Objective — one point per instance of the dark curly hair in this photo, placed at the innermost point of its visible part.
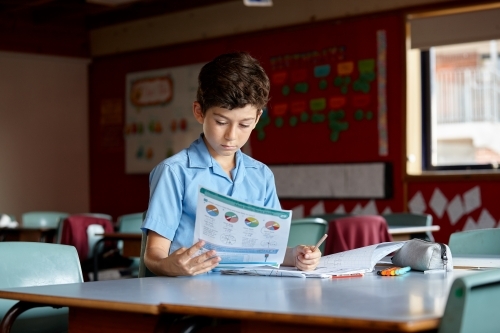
(232, 80)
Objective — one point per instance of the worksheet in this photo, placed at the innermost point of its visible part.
(243, 235)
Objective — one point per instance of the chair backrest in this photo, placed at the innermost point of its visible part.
(25, 264)
(42, 219)
(480, 241)
(411, 220)
(61, 221)
(473, 304)
(130, 223)
(351, 232)
(307, 231)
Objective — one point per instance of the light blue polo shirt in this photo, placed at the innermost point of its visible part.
(174, 189)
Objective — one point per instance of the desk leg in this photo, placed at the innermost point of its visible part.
(83, 320)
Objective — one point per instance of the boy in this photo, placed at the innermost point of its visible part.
(232, 90)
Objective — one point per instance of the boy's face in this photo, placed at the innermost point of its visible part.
(225, 130)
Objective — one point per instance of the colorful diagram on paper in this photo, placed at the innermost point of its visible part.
(212, 210)
(271, 225)
(231, 217)
(251, 222)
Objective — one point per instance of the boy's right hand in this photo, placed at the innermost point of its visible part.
(182, 262)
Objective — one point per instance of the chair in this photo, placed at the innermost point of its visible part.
(411, 220)
(473, 304)
(480, 241)
(127, 224)
(26, 264)
(61, 222)
(307, 231)
(43, 220)
(355, 231)
(143, 270)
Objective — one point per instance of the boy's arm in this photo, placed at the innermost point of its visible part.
(180, 262)
(302, 257)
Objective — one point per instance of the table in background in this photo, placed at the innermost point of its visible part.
(404, 233)
(410, 303)
(28, 234)
(131, 242)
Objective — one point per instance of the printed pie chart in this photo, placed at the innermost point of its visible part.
(212, 210)
(231, 217)
(251, 222)
(271, 225)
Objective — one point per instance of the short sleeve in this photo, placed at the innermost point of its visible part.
(272, 200)
(165, 201)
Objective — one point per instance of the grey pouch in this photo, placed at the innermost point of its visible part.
(422, 255)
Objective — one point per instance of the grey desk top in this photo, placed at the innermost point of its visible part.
(408, 298)
(393, 230)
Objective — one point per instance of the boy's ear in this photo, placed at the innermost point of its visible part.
(259, 113)
(198, 113)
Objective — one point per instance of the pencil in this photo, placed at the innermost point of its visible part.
(319, 242)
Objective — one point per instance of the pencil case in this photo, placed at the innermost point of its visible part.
(422, 255)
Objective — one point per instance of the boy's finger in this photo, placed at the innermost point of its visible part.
(195, 248)
(206, 266)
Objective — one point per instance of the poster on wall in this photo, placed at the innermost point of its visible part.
(159, 121)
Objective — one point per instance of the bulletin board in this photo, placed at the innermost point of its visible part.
(159, 121)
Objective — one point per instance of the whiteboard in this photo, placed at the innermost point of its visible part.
(342, 181)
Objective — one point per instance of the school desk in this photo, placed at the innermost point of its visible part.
(28, 234)
(476, 261)
(400, 233)
(409, 303)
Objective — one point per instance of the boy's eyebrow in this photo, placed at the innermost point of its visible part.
(218, 114)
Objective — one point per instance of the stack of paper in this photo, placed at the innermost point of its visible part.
(361, 260)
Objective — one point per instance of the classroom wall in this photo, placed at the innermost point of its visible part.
(115, 192)
(44, 151)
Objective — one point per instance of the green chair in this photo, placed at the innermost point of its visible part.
(411, 220)
(25, 264)
(480, 241)
(143, 270)
(307, 231)
(473, 304)
(42, 219)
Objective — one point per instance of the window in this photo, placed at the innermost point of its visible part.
(453, 93)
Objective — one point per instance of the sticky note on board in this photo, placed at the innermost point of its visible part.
(317, 104)
(298, 106)
(366, 65)
(322, 70)
(279, 77)
(302, 87)
(279, 109)
(337, 102)
(345, 68)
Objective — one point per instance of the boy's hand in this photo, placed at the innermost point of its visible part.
(306, 257)
(182, 262)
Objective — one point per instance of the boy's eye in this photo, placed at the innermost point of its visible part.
(220, 123)
(244, 125)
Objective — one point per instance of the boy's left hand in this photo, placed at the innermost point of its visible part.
(305, 258)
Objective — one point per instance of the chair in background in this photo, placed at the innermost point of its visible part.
(127, 224)
(26, 264)
(307, 231)
(351, 232)
(480, 241)
(473, 304)
(411, 220)
(91, 242)
(43, 220)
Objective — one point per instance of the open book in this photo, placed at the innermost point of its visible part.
(361, 260)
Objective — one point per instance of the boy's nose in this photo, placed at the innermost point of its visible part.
(230, 133)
